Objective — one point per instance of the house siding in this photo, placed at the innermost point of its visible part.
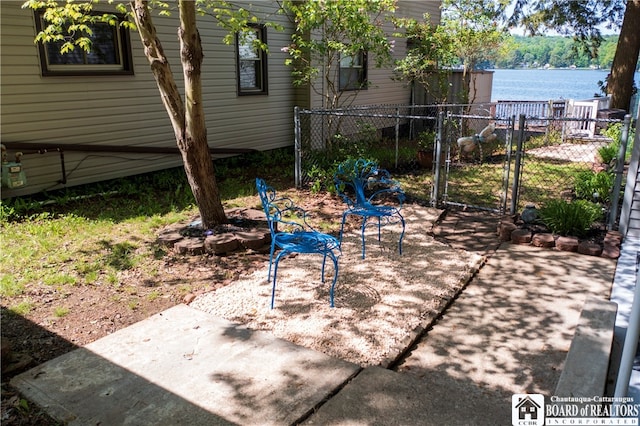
(630, 214)
(383, 89)
(126, 110)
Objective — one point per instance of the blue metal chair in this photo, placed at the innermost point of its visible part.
(291, 233)
(369, 192)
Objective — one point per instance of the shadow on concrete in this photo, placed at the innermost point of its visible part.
(511, 328)
(183, 366)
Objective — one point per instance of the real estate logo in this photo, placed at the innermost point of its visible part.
(527, 409)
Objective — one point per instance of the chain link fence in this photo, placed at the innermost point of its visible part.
(482, 156)
(386, 133)
(556, 159)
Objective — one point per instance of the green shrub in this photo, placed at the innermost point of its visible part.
(427, 140)
(570, 218)
(594, 186)
(321, 174)
(614, 132)
(608, 153)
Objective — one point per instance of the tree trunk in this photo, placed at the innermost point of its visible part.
(198, 163)
(187, 121)
(625, 60)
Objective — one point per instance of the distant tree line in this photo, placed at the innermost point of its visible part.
(556, 51)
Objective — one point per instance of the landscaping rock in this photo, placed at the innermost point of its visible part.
(254, 239)
(169, 239)
(245, 213)
(505, 229)
(521, 236)
(590, 248)
(567, 243)
(193, 246)
(221, 243)
(610, 251)
(247, 229)
(545, 240)
(613, 238)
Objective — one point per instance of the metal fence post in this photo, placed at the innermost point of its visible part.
(297, 147)
(397, 134)
(507, 168)
(516, 169)
(436, 166)
(622, 151)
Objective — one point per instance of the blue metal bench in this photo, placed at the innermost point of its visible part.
(369, 192)
(291, 233)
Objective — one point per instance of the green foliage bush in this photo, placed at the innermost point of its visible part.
(570, 218)
(609, 152)
(427, 140)
(594, 186)
(321, 175)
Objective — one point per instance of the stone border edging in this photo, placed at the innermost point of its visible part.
(232, 238)
(511, 232)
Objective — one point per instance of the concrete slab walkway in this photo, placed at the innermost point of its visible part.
(184, 366)
(512, 327)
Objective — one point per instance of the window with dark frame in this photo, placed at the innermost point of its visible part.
(110, 52)
(353, 72)
(251, 62)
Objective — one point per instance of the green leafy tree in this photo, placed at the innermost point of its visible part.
(537, 51)
(70, 22)
(473, 25)
(582, 21)
(429, 57)
(607, 52)
(328, 32)
(468, 34)
(510, 56)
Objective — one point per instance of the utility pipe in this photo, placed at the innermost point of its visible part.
(46, 147)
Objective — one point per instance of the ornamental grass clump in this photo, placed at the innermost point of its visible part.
(570, 218)
(594, 186)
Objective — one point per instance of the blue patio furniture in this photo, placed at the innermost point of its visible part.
(291, 233)
(369, 192)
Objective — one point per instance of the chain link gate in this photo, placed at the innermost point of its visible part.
(532, 160)
(473, 167)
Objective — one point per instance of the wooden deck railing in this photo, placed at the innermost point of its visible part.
(579, 117)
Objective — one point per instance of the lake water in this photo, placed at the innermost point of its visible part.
(541, 84)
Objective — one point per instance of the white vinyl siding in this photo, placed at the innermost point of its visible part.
(630, 214)
(127, 110)
(383, 90)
